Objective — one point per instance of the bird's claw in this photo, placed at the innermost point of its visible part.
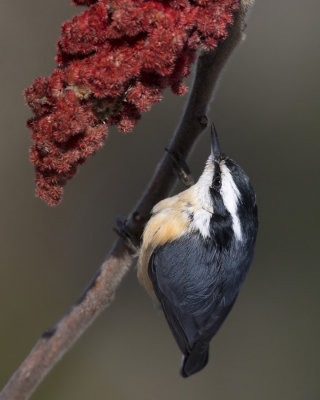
(181, 168)
(124, 233)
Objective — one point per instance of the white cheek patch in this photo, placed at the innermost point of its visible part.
(201, 222)
(204, 205)
(230, 196)
(201, 188)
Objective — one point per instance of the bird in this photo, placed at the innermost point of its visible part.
(196, 251)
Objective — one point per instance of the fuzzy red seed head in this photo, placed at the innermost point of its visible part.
(115, 59)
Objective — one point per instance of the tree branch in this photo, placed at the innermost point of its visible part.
(54, 343)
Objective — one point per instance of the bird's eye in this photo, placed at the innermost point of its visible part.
(216, 184)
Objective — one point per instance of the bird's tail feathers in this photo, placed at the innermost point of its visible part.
(195, 360)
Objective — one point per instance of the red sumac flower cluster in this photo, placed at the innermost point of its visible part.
(114, 61)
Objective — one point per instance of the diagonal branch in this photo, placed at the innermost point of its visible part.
(54, 343)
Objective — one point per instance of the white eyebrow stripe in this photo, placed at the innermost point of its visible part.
(230, 196)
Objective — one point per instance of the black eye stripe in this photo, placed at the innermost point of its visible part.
(217, 169)
(216, 180)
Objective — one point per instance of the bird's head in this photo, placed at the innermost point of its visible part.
(224, 189)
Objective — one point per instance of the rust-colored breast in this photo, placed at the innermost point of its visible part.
(168, 223)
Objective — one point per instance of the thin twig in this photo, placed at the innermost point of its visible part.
(54, 343)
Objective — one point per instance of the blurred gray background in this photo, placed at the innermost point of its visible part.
(267, 113)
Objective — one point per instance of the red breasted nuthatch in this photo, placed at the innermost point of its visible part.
(196, 251)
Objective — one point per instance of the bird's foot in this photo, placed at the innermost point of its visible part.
(181, 168)
(124, 233)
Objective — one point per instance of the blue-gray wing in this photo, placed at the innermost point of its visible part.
(197, 284)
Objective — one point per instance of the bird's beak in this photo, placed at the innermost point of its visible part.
(215, 147)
